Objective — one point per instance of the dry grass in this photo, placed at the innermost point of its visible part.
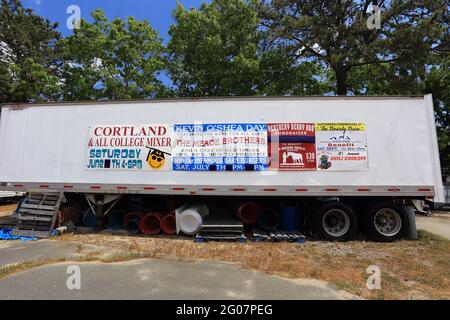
(410, 269)
(23, 266)
(7, 209)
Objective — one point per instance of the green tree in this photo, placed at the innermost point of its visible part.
(281, 74)
(213, 50)
(4, 82)
(434, 78)
(437, 83)
(29, 58)
(113, 59)
(335, 33)
(218, 50)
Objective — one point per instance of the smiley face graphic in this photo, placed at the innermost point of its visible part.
(156, 158)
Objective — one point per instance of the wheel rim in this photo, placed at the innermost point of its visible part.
(387, 222)
(336, 222)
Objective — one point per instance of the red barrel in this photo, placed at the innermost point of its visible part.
(151, 223)
(168, 224)
(248, 212)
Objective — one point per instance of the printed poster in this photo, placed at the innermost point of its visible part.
(228, 147)
(130, 147)
(220, 147)
(292, 146)
(341, 147)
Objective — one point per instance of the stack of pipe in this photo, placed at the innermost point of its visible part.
(248, 212)
(189, 218)
(132, 220)
(269, 219)
(168, 223)
(151, 223)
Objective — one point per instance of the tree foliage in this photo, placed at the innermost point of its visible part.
(214, 49)
(29, 59)
(218, 50)
(438, 84)
(335, 33)
(112, 60)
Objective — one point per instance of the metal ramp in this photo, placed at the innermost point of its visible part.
(37, 214)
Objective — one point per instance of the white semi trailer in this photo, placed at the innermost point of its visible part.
(8, 195)
(348, 161)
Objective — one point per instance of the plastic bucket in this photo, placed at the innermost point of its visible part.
(290, 219)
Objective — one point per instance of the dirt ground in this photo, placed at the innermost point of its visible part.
(6, 209)
(438, 223)
(409, 269)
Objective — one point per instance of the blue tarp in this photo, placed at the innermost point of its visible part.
(5, 234)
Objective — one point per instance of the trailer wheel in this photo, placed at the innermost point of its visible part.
(335, 221)
(386, 221)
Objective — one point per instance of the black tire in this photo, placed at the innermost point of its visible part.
(335, 221)
(387, 229)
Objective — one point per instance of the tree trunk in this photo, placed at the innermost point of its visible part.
(341, 81)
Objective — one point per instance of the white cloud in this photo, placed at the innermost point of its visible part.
(38, 2)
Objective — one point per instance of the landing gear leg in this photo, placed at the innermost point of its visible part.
(98, 203)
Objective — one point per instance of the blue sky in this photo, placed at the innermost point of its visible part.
(157, 12)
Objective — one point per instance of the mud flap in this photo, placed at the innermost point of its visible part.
(411, 233)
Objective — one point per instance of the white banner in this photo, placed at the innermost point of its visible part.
(341, 147)
(130, 147)
(220, 147)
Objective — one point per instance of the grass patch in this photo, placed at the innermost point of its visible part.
(23, 266)
(409, 269)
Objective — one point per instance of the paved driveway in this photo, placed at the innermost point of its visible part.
(437, 223)
(157, 279)
(18, 251)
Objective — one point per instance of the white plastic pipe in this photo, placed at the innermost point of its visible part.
(191, 219)
(178, 216)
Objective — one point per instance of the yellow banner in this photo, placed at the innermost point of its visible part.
(353, 126)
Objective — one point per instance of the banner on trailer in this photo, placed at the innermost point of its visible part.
(292, 146)
(228, 147)
(220, 147)
(130, 147)
(341, 147)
